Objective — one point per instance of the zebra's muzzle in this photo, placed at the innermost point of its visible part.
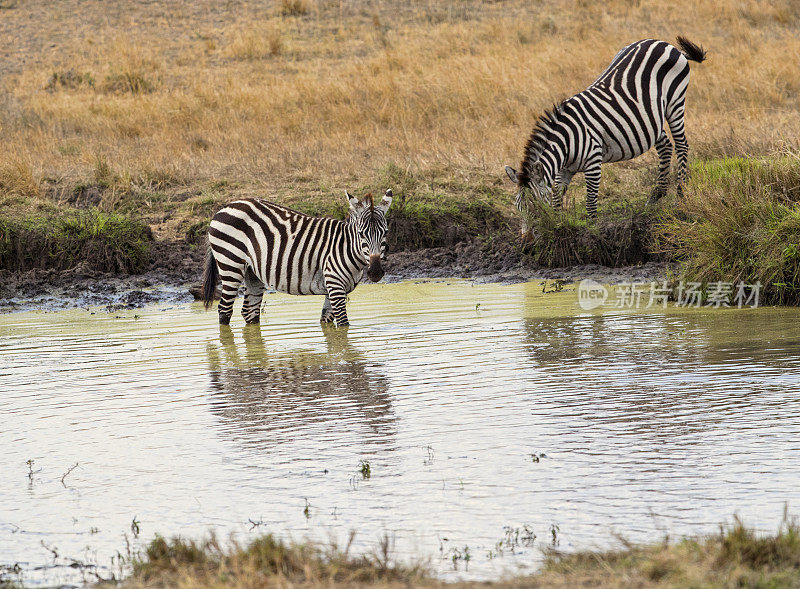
(375, 270)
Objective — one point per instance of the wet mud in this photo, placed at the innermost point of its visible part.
(177, 266)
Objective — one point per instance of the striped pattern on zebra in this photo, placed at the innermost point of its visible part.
(264, 244)
(619, 117)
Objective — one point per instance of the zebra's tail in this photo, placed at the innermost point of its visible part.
(691, 51)
(210, 276)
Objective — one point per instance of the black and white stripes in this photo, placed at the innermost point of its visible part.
(619, 117)
(264, 244)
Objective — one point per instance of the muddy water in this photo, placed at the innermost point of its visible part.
(649, 422)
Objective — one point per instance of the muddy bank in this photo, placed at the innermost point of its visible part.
(504, 261)
(176, 266)
(173, 266)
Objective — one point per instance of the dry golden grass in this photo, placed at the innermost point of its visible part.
(294, 7)
(255, 43)
(302, 96)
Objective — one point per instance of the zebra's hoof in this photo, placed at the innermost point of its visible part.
(224, 320)
(256, 321)
(326, 318)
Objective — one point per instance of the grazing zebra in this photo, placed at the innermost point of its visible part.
(262, 243)
(620, 116)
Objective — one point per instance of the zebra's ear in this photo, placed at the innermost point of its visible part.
(354, 202)
(512, 174)
(386, 201)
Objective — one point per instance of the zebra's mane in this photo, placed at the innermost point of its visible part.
(540, 137)
(368, 200)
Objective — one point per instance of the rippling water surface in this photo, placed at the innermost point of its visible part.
(650, 422)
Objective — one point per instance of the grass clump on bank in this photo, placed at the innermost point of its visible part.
(621, 235)
(736, 557)
(740, 222)
(62, 240)
(265, 561)
(438, 211)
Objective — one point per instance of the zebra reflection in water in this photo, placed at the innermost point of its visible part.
(266, 399)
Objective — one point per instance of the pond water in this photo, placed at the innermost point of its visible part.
(650, 422)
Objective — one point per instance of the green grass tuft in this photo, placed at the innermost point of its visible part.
(740, 222)
(740, 545)
(621, 235)
(206, 563)
(60, 241)
(736, 557)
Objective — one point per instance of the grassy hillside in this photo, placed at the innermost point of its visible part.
(165, 111)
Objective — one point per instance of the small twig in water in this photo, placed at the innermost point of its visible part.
(255, 524)
(53, 551)
(69, 470)
(554, 530)
(31, 472)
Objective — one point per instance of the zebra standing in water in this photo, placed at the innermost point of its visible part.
(620, 116)
(262, 243)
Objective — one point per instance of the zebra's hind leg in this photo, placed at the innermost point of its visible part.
(664, 149)
(231, 280)
(675, 122)
(327, 311)
(254, 293)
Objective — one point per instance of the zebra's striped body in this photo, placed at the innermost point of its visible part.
(619, 117)
(264, 244)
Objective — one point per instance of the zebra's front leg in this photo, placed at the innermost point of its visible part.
(327, 311)
(664, 149)
(560, 185)
(592, 175)
(254, 294)
(337, 298)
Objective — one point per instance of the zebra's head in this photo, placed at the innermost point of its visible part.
(532, 184)
(369, 221)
